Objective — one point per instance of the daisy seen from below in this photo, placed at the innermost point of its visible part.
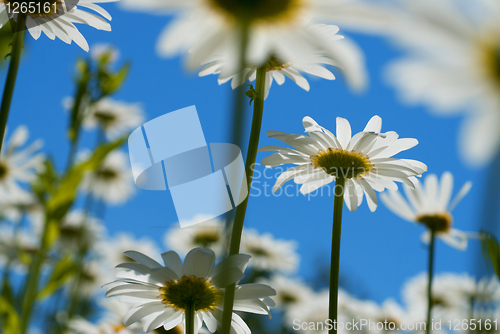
(452, 65)
(112, 182)
(114, 118)
(272, 27)
(358, 164)
(430, 204)
(190, 293)
(56, 18)
(19, 165)
(269, 254)
(343, 54)
(208, 233)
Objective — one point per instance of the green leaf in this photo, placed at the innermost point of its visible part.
(491, 252)
(65, 192)
(111, 82)
(63, 271)
(11, 322)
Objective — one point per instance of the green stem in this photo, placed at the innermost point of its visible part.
(15, 58)
(338, 205)
(429, 285)
(239, 97)
(189, 314)
(234, 248)
(29, 293)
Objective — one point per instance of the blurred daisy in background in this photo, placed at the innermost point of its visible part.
(446, 302)
(290, 292)
(364, 160)
(161, 294)
(452, 65)
(104, 52)
(112, 249)
(19, 165)
(430, 204)
(57, 19)
(276, 28)
(208, 234)
(115, 118)
(112, 182)
(75, 228)
(110, 322)
(341, 54)
(270, 254)
(17, 248)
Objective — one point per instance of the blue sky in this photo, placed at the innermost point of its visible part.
(379, 250)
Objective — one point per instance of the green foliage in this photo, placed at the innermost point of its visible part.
(251, 93)
(63, 270)
(491, 251)
(11, 322)
(110, 82)
(6, 38)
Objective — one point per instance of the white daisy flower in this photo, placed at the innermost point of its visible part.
(277, 69)
(56, 18)
(430, 204)
(19, 165)
(17, 247)
(112, 250)
(112, 182)
(161, 294)
(109, 323)
(75, 227)
(115, 118)
(363, 160)
(447, 303)
(208, 234)
(276, 27)
(290, 292)
(453, 66)
(270, 254)
(389, 313)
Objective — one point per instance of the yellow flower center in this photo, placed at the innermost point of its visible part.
(105, 118)
(35, 8)
(191, 290)
(3, 170)
(440, 222)
(106, 174)
(341, 163)
(206, 239)
(271, 11)
(489, 57)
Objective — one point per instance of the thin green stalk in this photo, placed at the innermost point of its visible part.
(239, 97)
(234, 248)
(29, 293)
(15, 59)
(189, 314)
(338, 205)
(429, 285)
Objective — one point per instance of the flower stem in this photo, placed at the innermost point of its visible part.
(189, 315)
(234, 248)
(429, 285)
(29, 292)
(338, 204)
(15, 58)
(239, 97)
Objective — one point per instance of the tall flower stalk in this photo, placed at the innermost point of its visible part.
(237, 229)
(10, 83)
(335, 257)
(358, 165)
(429, 286)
